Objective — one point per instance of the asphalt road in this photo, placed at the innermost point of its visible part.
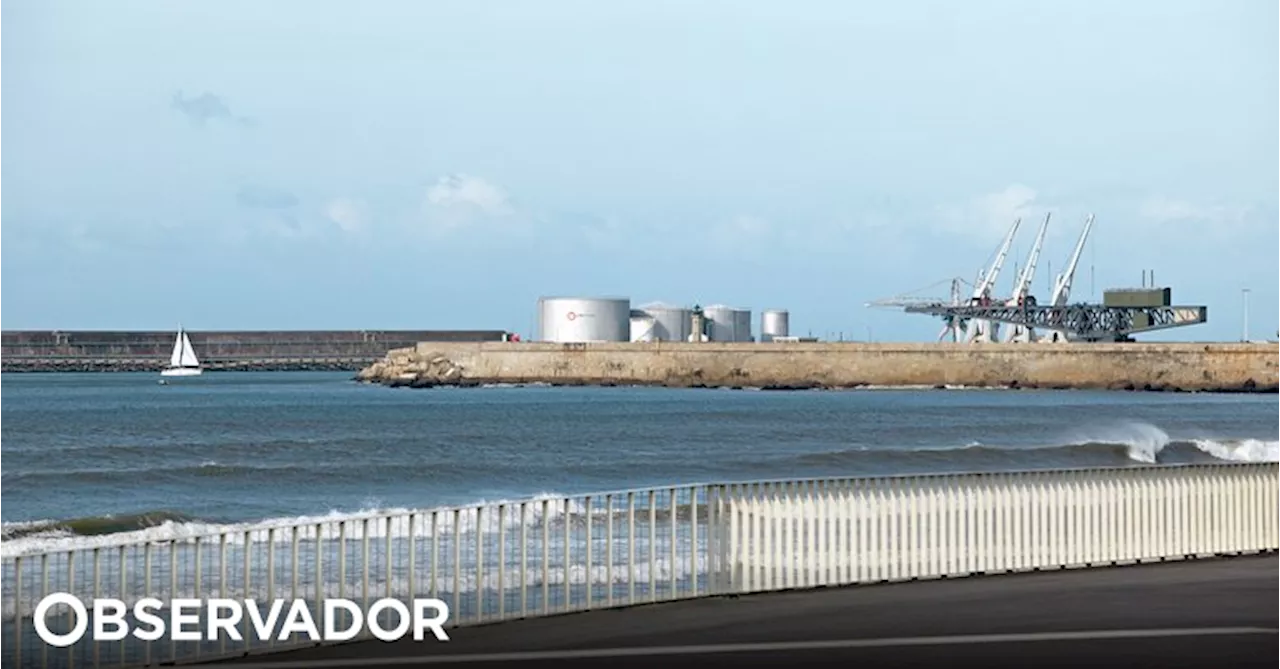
(1214, 613)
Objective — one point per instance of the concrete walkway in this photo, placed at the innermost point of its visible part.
(1213, 613)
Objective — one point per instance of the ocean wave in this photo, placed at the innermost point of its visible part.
(35, 536)
(1144, 444)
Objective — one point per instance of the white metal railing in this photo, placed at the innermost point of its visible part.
(549, 556)
(837, 532)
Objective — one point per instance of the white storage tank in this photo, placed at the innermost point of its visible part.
(670, 323)
(642, 328)
(584, 319)
(726, 323)
(774, 323)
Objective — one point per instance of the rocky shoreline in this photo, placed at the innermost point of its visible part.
(419, 383)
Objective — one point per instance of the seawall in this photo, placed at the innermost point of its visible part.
(1221, 367)
(253, 350)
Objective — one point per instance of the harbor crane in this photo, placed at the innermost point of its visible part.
(1062, 285)
(1118, 319)
(982, 330)
(1022, 289)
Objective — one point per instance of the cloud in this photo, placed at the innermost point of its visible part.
(204, 108)
(286, 224)
(1163, 210)
(347, 213)
(264, 197)
(461, 191)
(989, 216)
(458, 201)
(1230, 223)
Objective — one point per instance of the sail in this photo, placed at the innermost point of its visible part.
(188, 357)
(175, 359)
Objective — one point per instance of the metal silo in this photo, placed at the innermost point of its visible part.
(669, 323)
(722, 322)
(742, 325)
(584, 319)
(774, 323)
(642, 328)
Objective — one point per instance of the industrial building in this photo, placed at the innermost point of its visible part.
(612, 319)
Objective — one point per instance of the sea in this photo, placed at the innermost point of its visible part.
(87, 456)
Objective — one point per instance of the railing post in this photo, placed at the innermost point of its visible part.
(631, 548)
(586, 505)
(247, 589)
(457, 567)
(413, 555)
(568, 562)
(673, 507)
(524, 560)
(693, 541)
(653, 547)
(608, 549)
(479, 530)
(17, 612)
(738, 510)
(502, 561)
(546, 556)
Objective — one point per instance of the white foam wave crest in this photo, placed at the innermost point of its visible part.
(1143, 441)
(378, 522)
(1245, 450)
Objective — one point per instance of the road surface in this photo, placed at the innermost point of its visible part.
(1211, 613)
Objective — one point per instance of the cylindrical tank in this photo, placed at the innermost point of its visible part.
(742, 325)
(642, 328)
(774, 323)
(722, 322)
(670, 323)
(584, 319)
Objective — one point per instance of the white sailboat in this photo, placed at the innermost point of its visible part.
(183, 361)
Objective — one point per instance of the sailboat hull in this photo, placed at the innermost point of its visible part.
(181, 371)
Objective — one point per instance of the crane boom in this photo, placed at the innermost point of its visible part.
(983, 289)
(1062, 287)
(981, 330)
(1023, 285)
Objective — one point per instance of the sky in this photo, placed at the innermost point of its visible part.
(441, 165)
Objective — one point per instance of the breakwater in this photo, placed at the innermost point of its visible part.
(1220, 367)
(252, 350)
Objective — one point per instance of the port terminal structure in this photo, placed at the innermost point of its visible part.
(1124, 312)
(1081, 322)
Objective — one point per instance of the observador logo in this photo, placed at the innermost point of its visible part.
(210, 619)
